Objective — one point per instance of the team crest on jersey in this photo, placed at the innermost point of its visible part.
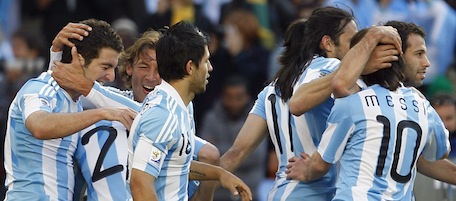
(155, 155)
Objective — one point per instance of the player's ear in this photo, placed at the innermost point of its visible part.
(327, 44)
(129, 69)
(81, 59)
(189, 67)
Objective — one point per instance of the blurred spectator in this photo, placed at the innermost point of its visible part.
(223, 68)
(170, 12)
(426, 188)
(128, 31)
(362, 10)
(242, 40)
(445, 105)
(55, 14)
(222, 124)
(28, 50)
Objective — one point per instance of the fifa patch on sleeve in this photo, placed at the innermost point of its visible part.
(155, 155)
(44, 102)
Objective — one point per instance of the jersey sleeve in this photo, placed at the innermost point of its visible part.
(438, 144)
(101, 96)
(40, 97)
(155, 132)
(259, 106)
(54, 56)
(340, 127)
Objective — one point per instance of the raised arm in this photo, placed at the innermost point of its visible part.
(250, 136)
(70, 31)
(71, 76)
(363, 58)
(360, 60)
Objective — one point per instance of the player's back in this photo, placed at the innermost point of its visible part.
(386, 131)
(289, 142)
(102, 155)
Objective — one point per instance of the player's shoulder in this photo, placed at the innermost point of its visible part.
(324, 64)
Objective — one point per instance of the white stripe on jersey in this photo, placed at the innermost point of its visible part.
(43, 168)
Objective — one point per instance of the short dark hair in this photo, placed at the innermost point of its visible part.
(389, 78)
(177, 45)
(101, 36)
(405, 29)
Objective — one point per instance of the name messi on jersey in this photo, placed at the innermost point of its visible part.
(373, 101)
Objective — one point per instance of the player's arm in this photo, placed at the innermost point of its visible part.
(45, 125)
(142, 186)
(75, 31)
(311, 94)
(250, 136)
(442, 170)
(361, 60)
(71, 76)
(204, 171)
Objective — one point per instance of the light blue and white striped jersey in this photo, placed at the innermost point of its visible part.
(102, 155)
(292, 135)
(378, 135)
(39, 169)
(163, 142)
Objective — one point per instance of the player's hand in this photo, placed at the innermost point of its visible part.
(121, 114)
(381, 57)
(388, 35)
(235, 185)
(71, 76)
(297, 167)
(70, 31)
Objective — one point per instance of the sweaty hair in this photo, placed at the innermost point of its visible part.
(389, 78)
(147, 41)
(405, 29)
(179, 44)
(101, 36)
(302, 43)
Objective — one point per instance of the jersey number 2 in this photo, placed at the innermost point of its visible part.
(97, 174)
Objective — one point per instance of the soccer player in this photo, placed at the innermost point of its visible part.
(163, 132)
(138, 69)
(44, 121)
(311, 51)
(377, 135)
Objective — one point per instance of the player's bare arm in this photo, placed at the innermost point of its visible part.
(204, 171)
(71, 76)
(252, 133)
(71, 31)
(356, 61)
(142, 186)
(44, 125)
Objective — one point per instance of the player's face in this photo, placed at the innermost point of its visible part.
(416, 61)
(144, 75)
(102, 68)
(448, 115)
(202, 73)
(344, 39)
